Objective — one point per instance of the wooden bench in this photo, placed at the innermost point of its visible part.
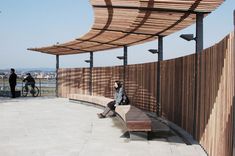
(136, 121)
(96, 100)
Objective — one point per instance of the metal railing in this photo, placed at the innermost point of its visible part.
(47, 87)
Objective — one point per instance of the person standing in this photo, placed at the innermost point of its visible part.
(12, 82)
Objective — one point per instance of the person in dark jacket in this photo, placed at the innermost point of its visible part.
(29, 81)
(120, 99)
(12, 82)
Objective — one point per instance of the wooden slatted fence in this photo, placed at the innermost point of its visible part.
(205, 110)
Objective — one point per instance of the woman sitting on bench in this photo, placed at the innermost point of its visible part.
(120, 99)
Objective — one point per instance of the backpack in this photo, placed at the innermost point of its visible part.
(125, 99)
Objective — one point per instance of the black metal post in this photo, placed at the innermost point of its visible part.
(57, 69)
(234, 21)
(160, 48)
(160, 58)
(91, 67)
(124, 64)
(4, 86)
(199, 32)
(40, 86)
(199, 49)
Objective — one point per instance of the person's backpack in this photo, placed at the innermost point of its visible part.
(125, 99)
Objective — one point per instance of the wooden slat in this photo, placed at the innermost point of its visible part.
(131, 17)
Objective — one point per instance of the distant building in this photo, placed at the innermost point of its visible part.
(2, 75)
(38, 74)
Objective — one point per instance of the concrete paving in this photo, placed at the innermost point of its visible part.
(57, 127)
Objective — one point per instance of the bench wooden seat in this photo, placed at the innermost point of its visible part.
(136, 121)
(97, 100)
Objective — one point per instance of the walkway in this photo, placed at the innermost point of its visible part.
(56, 127)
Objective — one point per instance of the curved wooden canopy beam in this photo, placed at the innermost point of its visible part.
(121, 23)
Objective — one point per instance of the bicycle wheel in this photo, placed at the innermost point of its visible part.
(35, 91)
(24, 92)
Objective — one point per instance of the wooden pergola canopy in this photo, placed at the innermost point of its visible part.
(121, 23)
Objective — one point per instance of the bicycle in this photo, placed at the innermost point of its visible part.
(34, 91)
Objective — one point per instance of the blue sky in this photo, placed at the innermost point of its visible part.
(33, 23)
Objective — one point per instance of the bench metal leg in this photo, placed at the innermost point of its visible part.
(138, 136)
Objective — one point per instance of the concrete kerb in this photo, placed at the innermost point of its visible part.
(188, 139)
(163, 128)
(169, 126)
(185, 136)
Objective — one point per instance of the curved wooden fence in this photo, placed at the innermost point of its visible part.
(201, 103)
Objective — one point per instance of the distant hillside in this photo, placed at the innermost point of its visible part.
(35, 69)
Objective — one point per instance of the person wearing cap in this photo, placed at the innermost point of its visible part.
(29, 81)
(12, 82)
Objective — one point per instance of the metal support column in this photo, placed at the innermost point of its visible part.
(160, 58)
(199, 49)
(124, 64)
(199, 32)
(160, 48)
(91, 67)
(57, 69)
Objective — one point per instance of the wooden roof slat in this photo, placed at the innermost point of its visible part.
(130, 22)
(126, 32)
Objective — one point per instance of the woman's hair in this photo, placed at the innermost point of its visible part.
(13, 70)
(119, 84)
